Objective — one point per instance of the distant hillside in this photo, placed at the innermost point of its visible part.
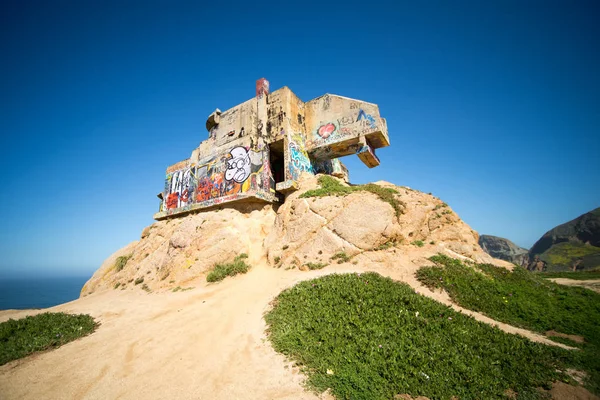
(574, 245)
(504, 249)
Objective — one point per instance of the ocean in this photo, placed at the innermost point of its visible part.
(20, 293)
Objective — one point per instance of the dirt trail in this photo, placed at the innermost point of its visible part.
(206, 343)
(592, 284)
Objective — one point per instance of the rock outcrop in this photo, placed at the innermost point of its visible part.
(504, 249)
(574, 245)
(175, 251)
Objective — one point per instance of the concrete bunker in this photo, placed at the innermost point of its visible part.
(259, 149)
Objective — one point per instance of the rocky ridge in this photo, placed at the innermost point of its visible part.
(301, 231)
(504, 249)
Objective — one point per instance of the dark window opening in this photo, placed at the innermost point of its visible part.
(277, 160)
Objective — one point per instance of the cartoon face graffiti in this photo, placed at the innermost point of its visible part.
(326, 130)
(238, 166)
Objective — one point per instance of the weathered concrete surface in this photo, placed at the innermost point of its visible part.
(272, 138)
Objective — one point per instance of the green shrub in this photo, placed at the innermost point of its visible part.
(386, 245)
(121, 262)
(117, 285)
(522, 298)
(139, 280)
(342, 257)
(313, 266)
(21, 337)
(277, 259)
(368, 337)
(418, 243)
(332, 187)
(221, 271)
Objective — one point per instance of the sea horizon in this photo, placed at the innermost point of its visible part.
(39, 292)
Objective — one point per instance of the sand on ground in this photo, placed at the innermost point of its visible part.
(205, 343)
(592, 284)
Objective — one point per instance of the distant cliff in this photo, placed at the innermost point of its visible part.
(504, 249)
(574, 245)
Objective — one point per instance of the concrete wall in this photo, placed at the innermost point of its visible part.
(234, 173)
(337, 126)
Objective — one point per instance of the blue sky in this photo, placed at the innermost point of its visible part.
(492, 106)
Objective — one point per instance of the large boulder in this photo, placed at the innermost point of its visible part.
(314, 229)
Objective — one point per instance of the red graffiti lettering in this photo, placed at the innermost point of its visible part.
(172, 200)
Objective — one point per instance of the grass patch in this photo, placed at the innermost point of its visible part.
(313, 266)
(332, 187)
(341, 257)
(368, 337)
(21, 337)
(563, 255)
(221, 271)
(121, 261)
(418, 243)
(180, 289)
(524, 299)
(386, 245)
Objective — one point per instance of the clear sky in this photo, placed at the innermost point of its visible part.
(493, 106)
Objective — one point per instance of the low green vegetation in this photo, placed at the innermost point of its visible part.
(418, 243)
(522, 298)
(180, 289)
(121, 261)
(368, 337)
(341, 257)
(563, 255)
(313, 266)
(332, 187)
(139, 280)
(221, 271)
(386, 245)
(21, 337)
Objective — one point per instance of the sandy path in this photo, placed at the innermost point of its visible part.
(592, 284)
(206, 343)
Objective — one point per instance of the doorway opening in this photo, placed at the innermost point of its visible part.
(277, 159)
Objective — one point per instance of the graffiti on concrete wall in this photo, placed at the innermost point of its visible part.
(298, 157)
(368, 118)
(238, 166)
(330, 166)
(240, 171)
(179, 186)
(343, 128)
